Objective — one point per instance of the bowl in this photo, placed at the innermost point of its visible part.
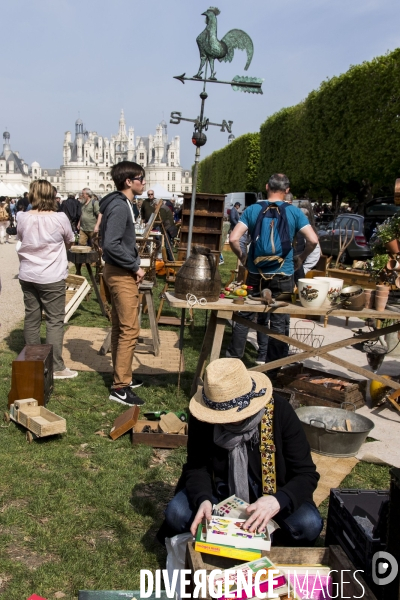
(335, 287)
(312, 293)
(351, 290)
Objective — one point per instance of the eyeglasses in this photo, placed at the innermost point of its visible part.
(141, 178)
(150, 195)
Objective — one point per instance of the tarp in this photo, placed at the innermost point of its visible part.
(7, 190)
(160, 192)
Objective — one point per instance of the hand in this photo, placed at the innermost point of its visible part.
(139, 275)
(96, 229)
(204, 511)
(261, 512)
(297, 262)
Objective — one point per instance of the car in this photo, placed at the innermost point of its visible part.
(329, 238)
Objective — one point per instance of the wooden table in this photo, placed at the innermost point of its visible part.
(224, 310)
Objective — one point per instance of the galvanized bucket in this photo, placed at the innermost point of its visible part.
(318, 423)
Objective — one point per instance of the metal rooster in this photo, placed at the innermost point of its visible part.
(212, 48)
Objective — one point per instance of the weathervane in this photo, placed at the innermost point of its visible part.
(211, 49)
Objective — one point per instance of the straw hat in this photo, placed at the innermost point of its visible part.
(227, 387)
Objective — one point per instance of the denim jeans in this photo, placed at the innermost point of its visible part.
(299, 528)
(270, 349)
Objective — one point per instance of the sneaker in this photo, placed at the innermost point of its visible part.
(260, 361)
(124, 395)
(66, 374)
(135, 383)
(221, 260)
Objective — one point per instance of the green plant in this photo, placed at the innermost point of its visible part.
(389, 230)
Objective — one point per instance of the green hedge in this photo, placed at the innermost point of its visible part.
(344, 138)
(232, 169)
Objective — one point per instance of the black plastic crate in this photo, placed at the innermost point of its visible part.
(343, 529)
(392, 590)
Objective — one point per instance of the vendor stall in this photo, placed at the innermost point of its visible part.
(225, 310)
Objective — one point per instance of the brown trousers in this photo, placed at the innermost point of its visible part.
(124, 295)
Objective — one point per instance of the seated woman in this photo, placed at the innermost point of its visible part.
(246, 441)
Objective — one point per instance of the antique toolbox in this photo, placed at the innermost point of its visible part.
(32, 374)
(392, 590)
(37, 419)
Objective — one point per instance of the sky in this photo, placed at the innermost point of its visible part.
(65, 59)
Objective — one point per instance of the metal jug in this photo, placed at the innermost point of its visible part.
(199, 276)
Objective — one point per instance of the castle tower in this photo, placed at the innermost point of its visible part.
(6, 144)
(122, 127)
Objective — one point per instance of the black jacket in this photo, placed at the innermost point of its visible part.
(296, 475)
(73, 209)
(117, 232)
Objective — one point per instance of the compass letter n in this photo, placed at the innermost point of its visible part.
(226, 125)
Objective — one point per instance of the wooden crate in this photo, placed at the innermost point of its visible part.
(334, 557)
(77, 288)
(312, 394)
(156, 440)
(32, 374)
(40, 421)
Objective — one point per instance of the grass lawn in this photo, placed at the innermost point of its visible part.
(80, 511)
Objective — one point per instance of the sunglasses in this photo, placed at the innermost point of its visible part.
(141, 178)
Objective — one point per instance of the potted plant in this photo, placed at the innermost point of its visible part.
(388, 234)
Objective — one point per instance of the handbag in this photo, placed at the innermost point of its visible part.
(11, 230)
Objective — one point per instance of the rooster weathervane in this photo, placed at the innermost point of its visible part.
(212, 49)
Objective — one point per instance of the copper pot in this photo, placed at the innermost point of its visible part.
(199, 276)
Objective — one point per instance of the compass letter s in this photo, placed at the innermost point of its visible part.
(175, 118)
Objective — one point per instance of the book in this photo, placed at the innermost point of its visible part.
(201, 545)
(230, 532)
(234, 507)
(251, 568)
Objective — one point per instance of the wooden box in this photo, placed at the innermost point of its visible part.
(314, 394)
(38, 419)
(333, 556)
(156, 440)
(32, 374)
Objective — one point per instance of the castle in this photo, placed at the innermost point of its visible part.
(88, 158)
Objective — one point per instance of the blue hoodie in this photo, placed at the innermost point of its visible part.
(117, 231)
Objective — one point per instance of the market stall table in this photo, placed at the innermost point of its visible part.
(224, 310)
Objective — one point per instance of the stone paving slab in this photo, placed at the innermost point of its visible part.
(81, 346)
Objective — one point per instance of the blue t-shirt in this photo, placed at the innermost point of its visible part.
(296, 220)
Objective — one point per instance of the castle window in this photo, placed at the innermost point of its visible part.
(168, 175)
(173, 187)
(172, 164)
(168, 187)
(173, 176)
(172, 156)
(186, 189)
(141, 157)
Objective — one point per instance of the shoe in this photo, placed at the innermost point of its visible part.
(135, 383)
(260, 361)
(124, 395)
(221, 260)
(66, 374)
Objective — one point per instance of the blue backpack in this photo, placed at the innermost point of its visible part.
(270, 238)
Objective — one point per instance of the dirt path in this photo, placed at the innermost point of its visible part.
(11, 299)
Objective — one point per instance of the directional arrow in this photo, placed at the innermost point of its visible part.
(249, 84)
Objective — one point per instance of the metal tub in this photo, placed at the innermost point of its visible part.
(318, 423)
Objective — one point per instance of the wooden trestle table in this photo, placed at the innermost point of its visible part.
(224, 310)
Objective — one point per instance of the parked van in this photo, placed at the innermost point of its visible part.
(245, 199)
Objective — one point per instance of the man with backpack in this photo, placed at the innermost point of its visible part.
(73, 209)
(272, 226)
